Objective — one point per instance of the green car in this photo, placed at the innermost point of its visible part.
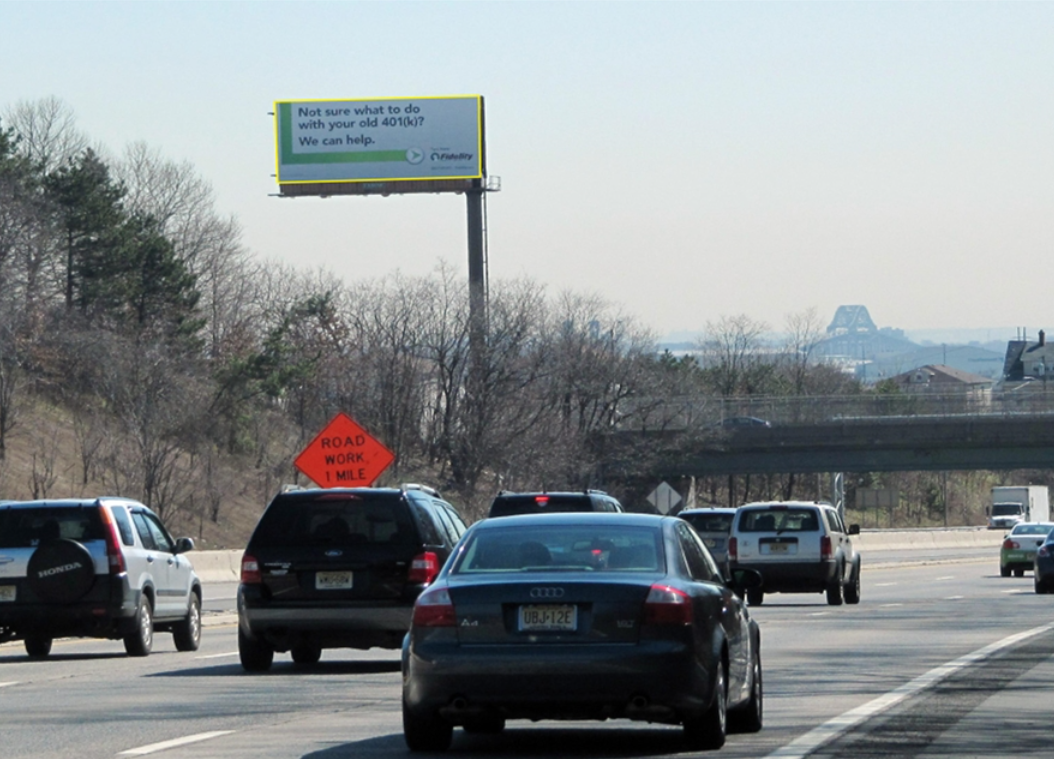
(1018, 552)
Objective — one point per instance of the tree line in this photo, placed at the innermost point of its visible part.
(173, 357)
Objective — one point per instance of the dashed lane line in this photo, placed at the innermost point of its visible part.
(806, 744)
(175, 742)
(217, 656)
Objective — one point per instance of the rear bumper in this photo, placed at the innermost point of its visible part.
(108, 612)
(793, 577)
(658, 680)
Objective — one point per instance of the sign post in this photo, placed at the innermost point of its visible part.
(344, 455)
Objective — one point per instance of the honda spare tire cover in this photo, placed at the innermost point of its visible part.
(61, 571)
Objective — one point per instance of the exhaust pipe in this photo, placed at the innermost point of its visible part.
(459, 704)
(639, 703)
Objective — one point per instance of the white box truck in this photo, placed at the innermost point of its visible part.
(1018, 503)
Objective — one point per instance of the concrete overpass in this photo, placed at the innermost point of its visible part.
(876, 444)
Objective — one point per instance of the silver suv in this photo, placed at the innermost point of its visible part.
(98, 568)
(798, 547)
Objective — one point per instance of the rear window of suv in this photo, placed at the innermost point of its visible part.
(779, 520)
(347, 519)
(25, 528)
(511, 505)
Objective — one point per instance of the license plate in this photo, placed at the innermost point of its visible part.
(778, 547)
(548, 617)
(332, 580)
(7, 592)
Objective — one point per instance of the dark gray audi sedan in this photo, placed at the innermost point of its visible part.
(582, 616)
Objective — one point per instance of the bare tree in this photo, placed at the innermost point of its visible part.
(734, 355)
(48, 130)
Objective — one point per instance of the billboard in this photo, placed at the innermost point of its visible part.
(424, 141)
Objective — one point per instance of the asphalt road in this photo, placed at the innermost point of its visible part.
(905, 673)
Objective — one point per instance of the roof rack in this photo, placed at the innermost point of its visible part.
(418, 486)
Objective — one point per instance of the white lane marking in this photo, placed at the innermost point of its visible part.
(4, 685)
(954, 598)
(155, 747)
(819, 614)
(806, 744)
(885, 584)
(887, 606)
(1016, 591)
(946, 577)
(217, 656)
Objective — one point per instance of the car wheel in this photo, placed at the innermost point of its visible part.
(255, 655)
(187, 633)
(140, 641)
(708, 731)
(852, 590)
(306, 653)
(1004, 571)
(748, 718)
(834, 592)
(491, 725)
(755, 596)
(1019, 573)
(1041, 588)
(38, 646)
(426, 732)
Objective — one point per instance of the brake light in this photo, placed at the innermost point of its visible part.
(114, 556)
(1010, 545)
(733, 549)
(541, 500)
(424, 568)
(1043, 551)
(434, 608)
(251, 570)
(667, 606)
(825, 547)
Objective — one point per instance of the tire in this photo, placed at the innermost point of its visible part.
(60, 571)
(1004, 571)
(306, 654)
(1041, 587)
(749, 717)
(426, 732)
(255, 655)
(187, 632)
(1019, 573)
(852, 590)
(485, 725)
(140, 641)
(708, 732)
(755, 596)
(834, 592)
(38, 646)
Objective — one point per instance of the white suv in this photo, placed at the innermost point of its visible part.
(798, 547)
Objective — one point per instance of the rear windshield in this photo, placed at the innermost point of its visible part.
(562, 548)
(1032, 529)
(25, 528)
(510, 505)
(779, 520)
(336, 520)
(709, 522)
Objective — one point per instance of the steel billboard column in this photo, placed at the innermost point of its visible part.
(477, 276)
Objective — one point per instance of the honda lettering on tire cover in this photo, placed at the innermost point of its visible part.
(60, 571)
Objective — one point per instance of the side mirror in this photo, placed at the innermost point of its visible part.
(184, 544)
(742, 580)
(854, 529)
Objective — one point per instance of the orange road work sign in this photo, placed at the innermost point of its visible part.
(344, 455)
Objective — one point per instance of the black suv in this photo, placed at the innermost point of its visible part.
(339, 568)
(510, 504)
(94, 567)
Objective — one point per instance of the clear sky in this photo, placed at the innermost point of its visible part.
(686, 160)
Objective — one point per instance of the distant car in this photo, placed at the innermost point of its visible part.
(713, 526)
(798, 547)
(507, 503)
(581, 616)
(1043, 566)
(736, 422)
(1018, 551)
(339, 568)
(94, 568)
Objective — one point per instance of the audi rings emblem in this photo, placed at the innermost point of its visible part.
(547, 592)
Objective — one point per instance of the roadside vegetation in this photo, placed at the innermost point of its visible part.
(145, 352)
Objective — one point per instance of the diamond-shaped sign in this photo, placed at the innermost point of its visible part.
(344, 455)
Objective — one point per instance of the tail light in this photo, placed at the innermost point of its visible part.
(733, 549)
(434, 608)
(251, 570)
(424, 568)
(1010, 545)
(667, 606)
(114, 556)
(1043, 551)
(825, 547)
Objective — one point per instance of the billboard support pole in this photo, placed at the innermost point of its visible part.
(477, 277)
